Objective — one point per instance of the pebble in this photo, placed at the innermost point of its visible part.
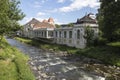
(34, 68)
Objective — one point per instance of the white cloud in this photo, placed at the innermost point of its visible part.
(37, 4)
(40, 14)
(79, 4)
(61, 1)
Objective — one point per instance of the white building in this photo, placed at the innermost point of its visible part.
(65, 35)
(74, 36)
(37, 29)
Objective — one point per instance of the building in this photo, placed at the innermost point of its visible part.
(66, 35)
(37, 29)
(74, 36)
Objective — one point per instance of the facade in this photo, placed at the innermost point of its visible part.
(74, 36)
(65, 35)
(37, 29)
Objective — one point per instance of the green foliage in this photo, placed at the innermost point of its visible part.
(70, 25)
(114, 44)
(14, 14)
(10, 14)
(101, 41)
(13, 64)
(57, 26)
(3, 16)
(107, 54)
(47, 46)
(109, 17)
(89, 36)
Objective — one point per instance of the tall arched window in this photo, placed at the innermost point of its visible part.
(56, 33)
(65, 34)
(78, 34)
(60, 34)
(70, 34)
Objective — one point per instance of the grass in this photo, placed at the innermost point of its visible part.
(13, 64)
(46, 46)
(109, 54)
(114, 44)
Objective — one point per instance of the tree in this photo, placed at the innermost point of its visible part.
(10, 14)
(89, 36)
(108, 18)
(57, 26)
(70, 24)
(4, 19)
(15, 14)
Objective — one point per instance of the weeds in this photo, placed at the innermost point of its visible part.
(13, 64)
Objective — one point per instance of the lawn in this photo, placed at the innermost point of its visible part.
(13, 64)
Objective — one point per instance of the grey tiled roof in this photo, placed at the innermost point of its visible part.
(86, 19)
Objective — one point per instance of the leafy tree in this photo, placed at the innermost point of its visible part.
(57, 26)
(89, 36)
(10, 14)
(4, 19)
(15, 14)
(109, 17)
(70, 25)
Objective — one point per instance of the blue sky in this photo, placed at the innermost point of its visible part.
(63, 11)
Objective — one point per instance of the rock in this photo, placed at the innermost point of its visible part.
(44, 75)
(51, 50)
(118, 68)
(34, 68)
(32, 63)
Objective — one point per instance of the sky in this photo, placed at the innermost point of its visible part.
(62, 11)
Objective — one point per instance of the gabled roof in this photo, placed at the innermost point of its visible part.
(37, 24)
(44, 25)
(86, 19)
(33, 21)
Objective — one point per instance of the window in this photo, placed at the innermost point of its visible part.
(60, 34)
(56, 34)
(42, 33)
(50, 33)
(65, 34)
(70, 34)
(45, 34)
(78, 34)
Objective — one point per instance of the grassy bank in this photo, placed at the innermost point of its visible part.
(13, 64)
(46, 46)
(109, 54)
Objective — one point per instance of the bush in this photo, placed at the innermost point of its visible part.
(100, 42)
